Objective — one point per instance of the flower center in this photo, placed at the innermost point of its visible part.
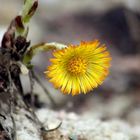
(77, 66)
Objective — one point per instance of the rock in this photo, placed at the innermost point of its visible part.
(88, 128)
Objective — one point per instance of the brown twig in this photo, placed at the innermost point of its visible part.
(44, 88)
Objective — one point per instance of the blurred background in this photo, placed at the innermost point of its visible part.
(115, 23)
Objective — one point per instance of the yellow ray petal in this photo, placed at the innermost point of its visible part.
(79, 69)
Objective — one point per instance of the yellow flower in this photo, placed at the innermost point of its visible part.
(80, 68)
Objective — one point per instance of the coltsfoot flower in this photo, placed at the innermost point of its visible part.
(80, 68)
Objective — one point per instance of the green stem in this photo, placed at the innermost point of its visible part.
(42, 47)
(28, 10)
(23, 20)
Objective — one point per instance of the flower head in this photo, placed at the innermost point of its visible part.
(80, 68)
